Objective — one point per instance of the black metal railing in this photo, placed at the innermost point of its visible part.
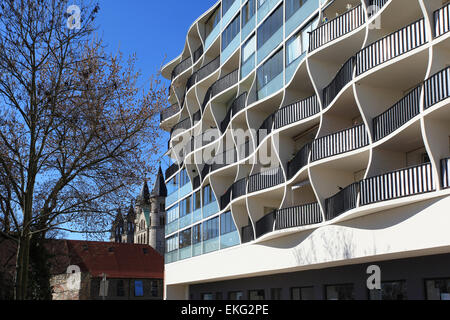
(391, 46)
(247, 234)
(172, 170)
(197, 182)
(445, 173)
(264, 180)
(343, 77)
(340, 142)
(336, 28)
(296, 112)
(191, 81)
(399, 114)
(169, 112)
(224, 159)
(198, 53)
(265, 225)
(225, 199)
(299, 216)
(197, 116)
(181, 67)
(207, 98)
(397, 184)
(266, 128)
(437, 88)
(442, 21)
(342, 202)
(374, 6)
(300, 160)
(239, 104)
(182, 125)
(206, 170)
(225, 82)
(239, 188)
(226, 121)
(208, 69)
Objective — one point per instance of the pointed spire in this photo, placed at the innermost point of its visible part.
(159, 188)
(144, 195)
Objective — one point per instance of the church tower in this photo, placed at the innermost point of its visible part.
(157, 215)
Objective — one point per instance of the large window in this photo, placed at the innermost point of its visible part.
(299, 43)
(227, 223)
(211, 229)
(120, 288)
(306, 293)
(197, 234)
(172, 214)
(226, 5)
(172, 243)
(438, 289)
(186, 207)
(248, 49)
(231, 32)
(248, 11)
(394, 290)
(138, 288)
(184, 178)
(270, 70)
(208, 196)
(270, 26)
(236, 295)
(292, 6)
(340, 292)
(256, 295)
(172, 185)
(197, 200)
(185, 238)
(212, 21)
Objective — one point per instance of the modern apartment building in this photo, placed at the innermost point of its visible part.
(310, 140)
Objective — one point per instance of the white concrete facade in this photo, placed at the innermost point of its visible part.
(357, 138)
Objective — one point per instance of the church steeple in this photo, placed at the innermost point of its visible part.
(159, 188)
(144, 196)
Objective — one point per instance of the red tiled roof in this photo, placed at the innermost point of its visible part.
(116, 260)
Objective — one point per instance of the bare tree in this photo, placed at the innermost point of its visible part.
(76, 131)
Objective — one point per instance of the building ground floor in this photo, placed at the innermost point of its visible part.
(419, 278)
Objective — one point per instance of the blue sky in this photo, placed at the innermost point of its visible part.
(152, 29)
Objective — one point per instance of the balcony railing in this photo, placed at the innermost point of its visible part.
(343, 77)
(224, 83)
(340, 142)
(197, 117)
(266, 128)
(247, 234)
(224, 159)
(207, 98)
(191, 81)
(445, 171)
(239, 188)
(169, 112)
(296, 112)
(265, 225)
(342, 202)
(206, 170)
(182, 125)
(304, 215)
(239, 104)
(336, 28)
(399, 114)
(442, 21)
(265, 180)
(181, 67)
(198, 53)
(375, 5)
(397, 184)
(300, 160)
(208, 69)
(197, 182)
(225, 199)
(172, 170)
(391, 46)
(437, 88)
